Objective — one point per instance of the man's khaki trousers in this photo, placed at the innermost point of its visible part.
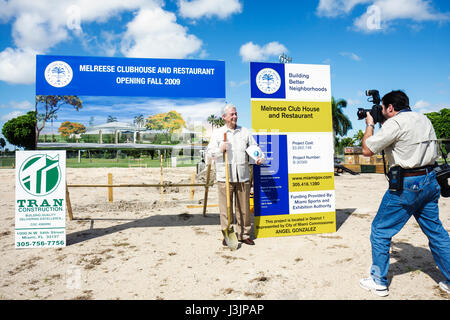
(241, 192)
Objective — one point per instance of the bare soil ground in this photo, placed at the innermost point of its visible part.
(138, 247)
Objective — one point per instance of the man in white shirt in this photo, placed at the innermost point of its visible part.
(238, 140)
(410, 143)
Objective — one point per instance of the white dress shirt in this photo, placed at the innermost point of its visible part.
(239, 140)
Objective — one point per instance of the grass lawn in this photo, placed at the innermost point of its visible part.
(7, 162)
(125, 163)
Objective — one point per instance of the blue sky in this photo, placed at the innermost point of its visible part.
(369, 44)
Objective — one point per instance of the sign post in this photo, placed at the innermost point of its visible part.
(294, 189)
(40, 199)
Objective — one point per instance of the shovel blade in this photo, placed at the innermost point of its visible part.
(230, 238)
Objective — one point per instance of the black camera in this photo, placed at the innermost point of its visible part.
(375, 112)
(442, 176)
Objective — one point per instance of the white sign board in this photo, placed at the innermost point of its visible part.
(40, 199)
(292, 113)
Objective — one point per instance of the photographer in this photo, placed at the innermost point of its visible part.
(410, 144)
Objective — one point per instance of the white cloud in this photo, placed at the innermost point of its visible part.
(18, 65)
(353, 102)
(234, 84)
(334, 8)
(42, 24)
(421, 104)
(22, 105)
(387, 11)
(191, 110)
(196, 9)
(37, 26)
(381, 14)
(31, 30)
(154, 33)
(351, 55)
(253, 52)
(11, 115)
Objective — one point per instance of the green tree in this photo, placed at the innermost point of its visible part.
(2, 143)
(168, 121)
(210, 120)
(68, 128)
(215, 121)
(441, 123)
(347, 142)
(341, 123)
(21, 131)
(51, 105)
(357, 138)
(340, 144)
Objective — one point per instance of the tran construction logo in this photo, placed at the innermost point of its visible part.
(40, 174)
(40, 199)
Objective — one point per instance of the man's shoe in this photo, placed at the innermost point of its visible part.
(370, 285)
(248, 241)
(224, 243)
(444, 286)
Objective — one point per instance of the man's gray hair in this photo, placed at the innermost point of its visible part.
(227, 107)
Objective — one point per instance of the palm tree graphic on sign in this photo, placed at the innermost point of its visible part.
(58, 72)
(268, 79)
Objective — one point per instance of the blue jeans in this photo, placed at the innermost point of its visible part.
(419, 197)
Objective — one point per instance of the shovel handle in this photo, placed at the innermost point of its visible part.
(227, 182)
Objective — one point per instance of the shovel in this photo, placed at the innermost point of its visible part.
(228, 233)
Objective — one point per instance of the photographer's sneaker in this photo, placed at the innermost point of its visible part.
(444, 286)
(370, 285)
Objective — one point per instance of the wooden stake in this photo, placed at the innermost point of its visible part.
(192, 188)
(162, 189)
(193, 206)
(68, 205)
(205, 199)
(110, 189)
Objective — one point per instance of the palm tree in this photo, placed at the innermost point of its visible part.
(111, 119)
(358, 137)
(215, 121)
(139, 121)
(341, 123)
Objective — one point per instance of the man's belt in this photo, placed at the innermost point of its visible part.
(417, 171)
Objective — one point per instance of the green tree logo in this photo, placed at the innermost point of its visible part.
(40, 174)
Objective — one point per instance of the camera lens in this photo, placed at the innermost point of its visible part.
(361, 113)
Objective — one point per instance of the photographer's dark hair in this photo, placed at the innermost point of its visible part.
(398, 99)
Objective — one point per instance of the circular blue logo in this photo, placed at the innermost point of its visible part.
(58, 74)
(268, 80)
